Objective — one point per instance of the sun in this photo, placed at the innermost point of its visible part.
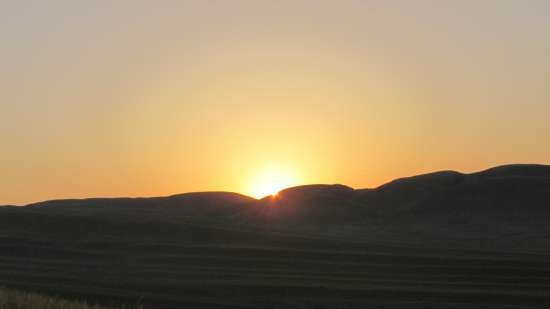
(272, 180)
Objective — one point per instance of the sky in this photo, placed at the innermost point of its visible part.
(146, 98)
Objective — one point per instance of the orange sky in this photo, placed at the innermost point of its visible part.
(144, 98)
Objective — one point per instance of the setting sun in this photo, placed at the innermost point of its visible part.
(270, 181)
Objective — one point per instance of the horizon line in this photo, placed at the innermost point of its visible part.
(297, 186)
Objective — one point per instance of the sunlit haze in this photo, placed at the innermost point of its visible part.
(148, 98)
(271, 180)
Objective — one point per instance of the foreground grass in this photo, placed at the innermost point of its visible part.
(12, 299)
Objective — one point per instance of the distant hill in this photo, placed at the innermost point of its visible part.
(515, 194)
(200, 204)
(311, 203)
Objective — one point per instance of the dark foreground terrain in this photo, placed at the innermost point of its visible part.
(442, 240)
(13, 299)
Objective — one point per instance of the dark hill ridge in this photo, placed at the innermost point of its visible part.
(200, 205)
(511, 193)
(178, 199)
(311, 204)
(519, 170)
(505, 190)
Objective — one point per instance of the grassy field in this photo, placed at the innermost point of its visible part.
(13, 299)
(169, 265)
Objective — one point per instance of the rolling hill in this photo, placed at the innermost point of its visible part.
(439, 240)
(512, 194)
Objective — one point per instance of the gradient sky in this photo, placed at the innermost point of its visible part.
(141, 98)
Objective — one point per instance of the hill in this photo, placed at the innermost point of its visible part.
(439, 240)
(512, 194)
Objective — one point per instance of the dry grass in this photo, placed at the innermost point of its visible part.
(12, 299)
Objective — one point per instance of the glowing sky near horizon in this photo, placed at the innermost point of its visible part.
(141, 98)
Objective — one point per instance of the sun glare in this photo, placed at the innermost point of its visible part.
(271, 181)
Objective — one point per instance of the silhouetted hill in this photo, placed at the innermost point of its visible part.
(517, 170)
(511, 194)
(194, 198)
(438, 240)
(310, 204)
(199, 205)
(506, 194)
